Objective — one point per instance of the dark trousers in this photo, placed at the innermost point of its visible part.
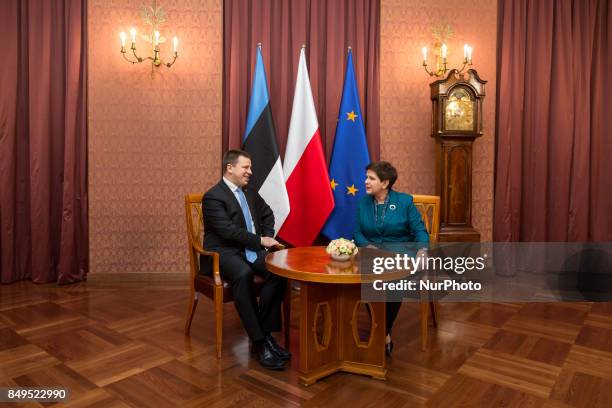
(258, 319)
(394, 302)
(392, 311)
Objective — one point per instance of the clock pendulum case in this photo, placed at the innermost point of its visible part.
(456, 122)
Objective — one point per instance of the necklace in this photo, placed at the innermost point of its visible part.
(384, 210)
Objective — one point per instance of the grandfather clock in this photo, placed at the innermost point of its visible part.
(456, 123)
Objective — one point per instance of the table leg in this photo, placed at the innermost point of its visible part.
(329, 337)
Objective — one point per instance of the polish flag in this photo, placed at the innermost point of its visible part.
(310, 195)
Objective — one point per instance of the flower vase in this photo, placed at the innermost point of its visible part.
(341, 257)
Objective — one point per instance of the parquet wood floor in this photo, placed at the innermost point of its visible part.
(117, 341)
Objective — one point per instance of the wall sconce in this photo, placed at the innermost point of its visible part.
(153, 16)
(441, 68)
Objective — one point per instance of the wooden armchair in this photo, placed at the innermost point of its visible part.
(429, 207)
(213, 287)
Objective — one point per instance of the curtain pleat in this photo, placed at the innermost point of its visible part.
(553, 147)
(43, 141)
(327, 28)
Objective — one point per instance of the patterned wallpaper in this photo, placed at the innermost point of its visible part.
(151, 139)
(406, 27)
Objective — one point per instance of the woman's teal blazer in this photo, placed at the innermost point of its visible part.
(402, 221)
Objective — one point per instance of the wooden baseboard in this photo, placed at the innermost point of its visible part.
(138, 279)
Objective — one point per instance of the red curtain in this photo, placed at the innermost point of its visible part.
(327, 28)
(43, 141)
(554, 162)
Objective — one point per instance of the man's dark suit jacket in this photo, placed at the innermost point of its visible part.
(225, 229)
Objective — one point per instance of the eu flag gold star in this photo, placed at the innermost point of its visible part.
(351, 115)
(333, 184)
(352, 190)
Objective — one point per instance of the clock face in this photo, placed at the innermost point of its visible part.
(459, 110)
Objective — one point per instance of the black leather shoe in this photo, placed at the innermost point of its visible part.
(268, 358)
(276, 349)
(389, 348)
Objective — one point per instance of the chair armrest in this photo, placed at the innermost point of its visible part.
(215, 256)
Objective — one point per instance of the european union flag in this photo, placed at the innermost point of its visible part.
(349, 159)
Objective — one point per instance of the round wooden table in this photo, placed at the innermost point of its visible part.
(330, 301)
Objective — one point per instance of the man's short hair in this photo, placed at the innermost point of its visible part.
(384, 171)
(231, 157)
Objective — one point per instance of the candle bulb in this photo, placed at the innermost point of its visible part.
(469, 54)
(443, 51)
(175, 43)
(156, 38)
(133, 34)
(122, 36)
(465, 51)
(425, 55)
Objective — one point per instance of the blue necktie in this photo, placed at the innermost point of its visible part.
(251, 256)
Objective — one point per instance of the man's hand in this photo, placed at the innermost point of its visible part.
(268, 242)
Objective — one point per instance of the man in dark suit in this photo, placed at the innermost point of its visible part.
(239, 225)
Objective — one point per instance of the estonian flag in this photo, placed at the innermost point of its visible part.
(349, 159)
(260, 142)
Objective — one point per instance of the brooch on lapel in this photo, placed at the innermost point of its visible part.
(392, 207)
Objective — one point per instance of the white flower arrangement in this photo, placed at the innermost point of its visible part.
(342, 248)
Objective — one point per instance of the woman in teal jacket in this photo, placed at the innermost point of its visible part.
(385, 216)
